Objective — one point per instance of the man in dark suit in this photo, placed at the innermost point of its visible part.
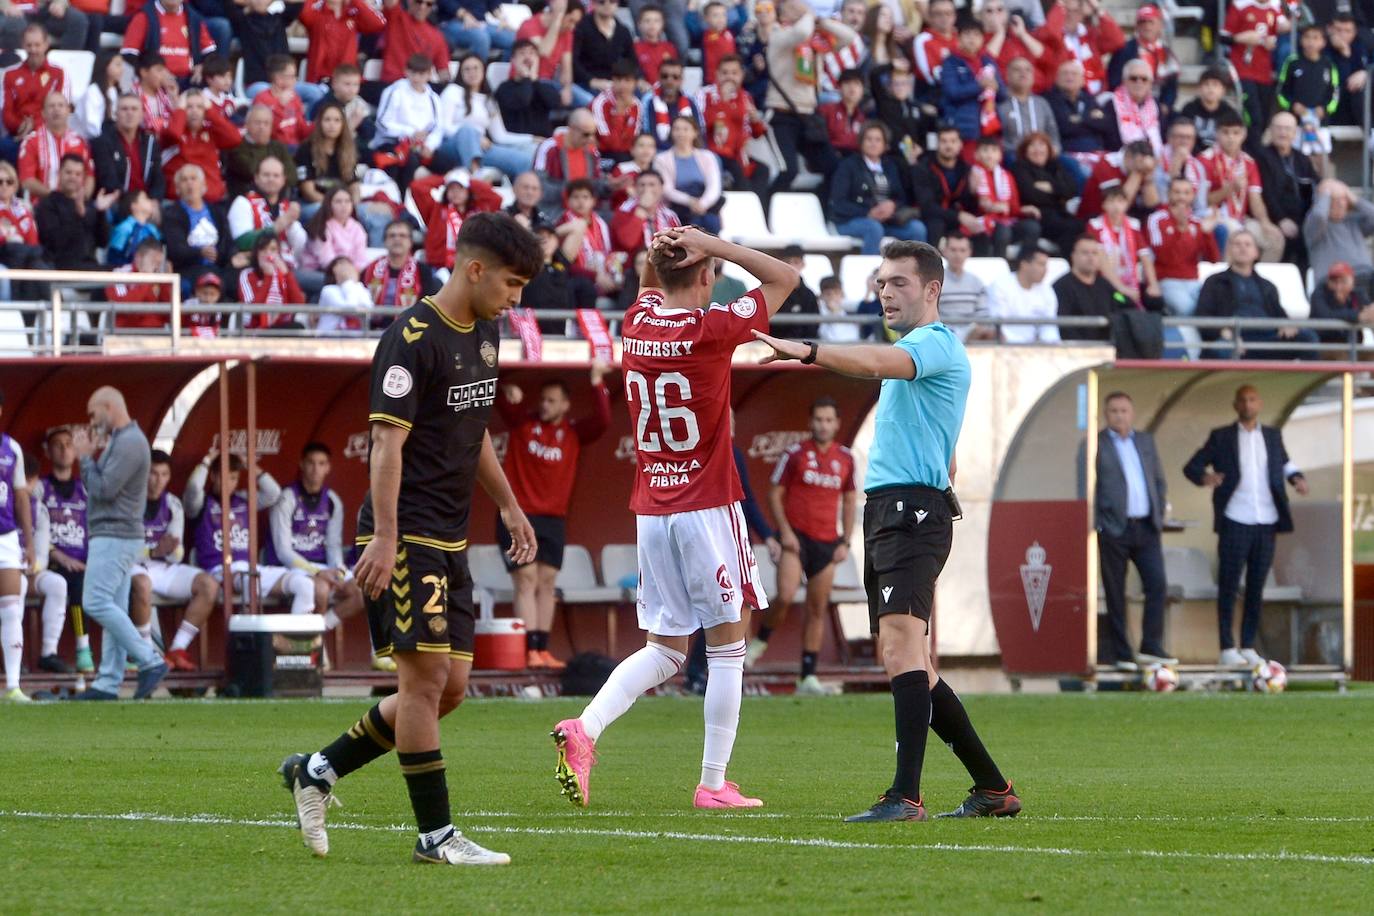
(1128, 512)
(1245, 465)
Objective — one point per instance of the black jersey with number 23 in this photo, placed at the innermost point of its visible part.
(437, 379)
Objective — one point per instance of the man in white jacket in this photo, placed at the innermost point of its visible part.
(409, 121)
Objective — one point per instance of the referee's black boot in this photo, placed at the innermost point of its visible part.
(986, 803)
(890, 808)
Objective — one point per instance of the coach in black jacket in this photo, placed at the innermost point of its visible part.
(1128, 512)
(1246, 465)
(114, 152)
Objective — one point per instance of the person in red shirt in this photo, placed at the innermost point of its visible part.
(541, 465)
(289, 123)
(1126, 253)
(333, 27)
(27, 85)
(1252, 28)
(1180, 242)
(409, 32)
(813, 486)
(461, 197)
(617, 112)
(639, 218)
(195, 136)
(932, 46)
(40, 155)
(1003, 219)
(150, 257)
(1082, 30)
(731, 120)
(552, 33)
(697, 568)
(651, 48)
(1006, 38)
(19, 243)
(845, 118)
(171, 38)
(1234, 189)
(716, 38)
(592, 260)
(622, 178)
(1133, 169)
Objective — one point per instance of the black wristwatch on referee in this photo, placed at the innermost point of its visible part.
(810, 358)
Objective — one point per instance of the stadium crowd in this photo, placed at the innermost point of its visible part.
(1002, 130)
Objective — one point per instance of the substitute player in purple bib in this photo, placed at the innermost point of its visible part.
(433, 390)
(909, 520)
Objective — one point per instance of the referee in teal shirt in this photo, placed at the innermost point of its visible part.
(909, 520)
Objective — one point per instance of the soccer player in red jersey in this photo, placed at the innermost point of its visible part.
(696, 567)
(541, 464)
(811, 482)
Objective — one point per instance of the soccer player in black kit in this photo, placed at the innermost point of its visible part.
(433, 387)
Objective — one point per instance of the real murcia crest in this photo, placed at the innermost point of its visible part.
(1035, 579)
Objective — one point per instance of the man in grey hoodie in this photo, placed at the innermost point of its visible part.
(1337, 228)
(117, 492)
(1024, 112)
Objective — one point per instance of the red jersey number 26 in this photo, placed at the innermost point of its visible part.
(671, 420)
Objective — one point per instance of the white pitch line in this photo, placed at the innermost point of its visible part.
(805, 842)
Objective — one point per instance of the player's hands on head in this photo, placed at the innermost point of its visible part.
(782, 349)
(691, 241)
(375, 566)
(522, 540)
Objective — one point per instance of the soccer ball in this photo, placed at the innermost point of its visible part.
(1161, 679)
(1269, 677)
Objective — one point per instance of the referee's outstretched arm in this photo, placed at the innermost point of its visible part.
(873, 361)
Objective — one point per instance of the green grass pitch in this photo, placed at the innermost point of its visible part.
(1182, 802)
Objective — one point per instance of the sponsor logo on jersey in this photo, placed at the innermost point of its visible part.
(744, 306)
(670, 473)
(546, 452)
(488, 353)
(397, 382)
(473, 394)
(817, 479)
(269, 442)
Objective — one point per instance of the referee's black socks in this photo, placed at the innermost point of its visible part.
(950, 723)
(911, 704)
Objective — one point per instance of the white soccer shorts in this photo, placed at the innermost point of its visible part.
(170, 581)
(11, 557)
(696, 569)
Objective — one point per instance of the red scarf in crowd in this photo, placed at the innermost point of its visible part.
(1135, 121)
(408, 288)
(998, 185)
(663, 114)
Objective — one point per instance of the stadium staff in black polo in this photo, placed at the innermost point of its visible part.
(909, 520)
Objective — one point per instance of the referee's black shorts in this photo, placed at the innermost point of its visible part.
(907, 536)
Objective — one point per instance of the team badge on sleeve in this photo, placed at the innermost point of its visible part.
(397, 382)
(744, 307)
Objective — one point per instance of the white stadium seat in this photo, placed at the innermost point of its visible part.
(742, 222)
(1206, 268)
(372, 70)
(497, 72)
(1189, 568)
(489, 571)
(989, 270)
(854, 272)
(734, 271)
(1292, 295)
(513, 15)
(620, 562)
(77, 65)
(1056, 268)
(815, 268)
(797, 218)
(691, 81)
(577, 582)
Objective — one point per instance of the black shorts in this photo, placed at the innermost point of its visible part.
(428, 606)
(550, 534)
(815, 555)
(908, 532)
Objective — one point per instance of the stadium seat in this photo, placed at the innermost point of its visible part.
(489, 571)
(620, 562)
(815, 268)
(372, 70)
(14, 337)
(742, 221)
(77, 65)
(111, 40)
(1056, 268)
(498, 71)
(577, 582)
(1190, 569)
(691, 81)
(514, 14)
(848, 585)
(989, 270)
(733, 270)
(1206, 268)
(1292, 292)
(854, 272)
(797, 218)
